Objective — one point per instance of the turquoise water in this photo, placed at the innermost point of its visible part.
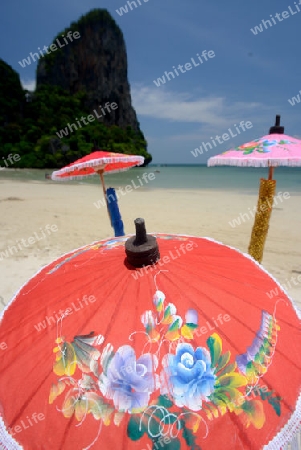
(182, 177)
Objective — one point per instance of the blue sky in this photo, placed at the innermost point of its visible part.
(250, 78)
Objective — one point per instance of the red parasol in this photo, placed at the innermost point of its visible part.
(200, 350)
(98, 162)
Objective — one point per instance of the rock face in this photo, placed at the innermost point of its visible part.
(11, 95)
(96, 63)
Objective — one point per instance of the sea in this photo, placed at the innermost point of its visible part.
(238, 179)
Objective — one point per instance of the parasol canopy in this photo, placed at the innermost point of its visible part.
(106, 162)
(101, 162)
(270, 150)
(200, 350)
(275, 149)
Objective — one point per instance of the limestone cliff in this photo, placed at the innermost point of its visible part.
(96, 63)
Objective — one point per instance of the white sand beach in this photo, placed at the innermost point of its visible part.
(28, 207)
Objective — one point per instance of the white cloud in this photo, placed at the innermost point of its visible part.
(160, 103)
(30, 85)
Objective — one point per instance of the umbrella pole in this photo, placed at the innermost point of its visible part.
(271, 171)
(100, 172)
(262, 217)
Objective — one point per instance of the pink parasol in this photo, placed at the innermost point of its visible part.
(275, 149)
(270, 150)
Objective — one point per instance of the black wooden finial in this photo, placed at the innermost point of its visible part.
(277, 129)
(141, 237)
(142, 249)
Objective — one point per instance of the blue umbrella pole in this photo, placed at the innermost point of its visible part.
(116, 220)
(100, 172)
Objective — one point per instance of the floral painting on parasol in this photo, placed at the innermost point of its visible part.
(172, 389)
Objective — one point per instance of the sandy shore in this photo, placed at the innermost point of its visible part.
(28, 207)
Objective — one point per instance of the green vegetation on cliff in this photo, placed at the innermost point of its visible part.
(29, 123)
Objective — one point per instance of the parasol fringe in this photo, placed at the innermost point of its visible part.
(255, 162)
(55, 177)
(284, 440)
(7, 442)
(295, 443)
(108, 160)
(95, 163)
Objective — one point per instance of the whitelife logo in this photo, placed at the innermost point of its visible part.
(11, 158)
(128, 188)
(124, 9)
(285, 15)
(292, 101)
(275, 292)
(188, 66)
(53, 48)
(30, 241)
(3, 345)
(24, 424)
(181, 250)
(246, 216)
(216, 322)
(90, 118)
(50, 320)
(160, 443)
(209, 326)
(221, 139)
